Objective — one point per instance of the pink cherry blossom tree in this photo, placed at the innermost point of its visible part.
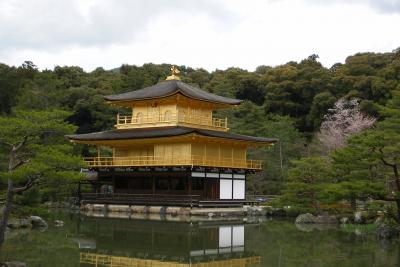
(342, 121)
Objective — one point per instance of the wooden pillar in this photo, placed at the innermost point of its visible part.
(205, 188)
(189, 184)
(232, 155)
(113, 183)
(205, 153)
(153, 187)
(96, 187)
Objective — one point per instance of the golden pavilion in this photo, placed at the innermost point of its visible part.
(170, 150)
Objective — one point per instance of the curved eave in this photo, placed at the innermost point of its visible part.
(116, 136)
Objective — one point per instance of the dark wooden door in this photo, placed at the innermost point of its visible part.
(212, 189)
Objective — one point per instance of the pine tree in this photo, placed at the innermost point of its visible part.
(369, 165)
(37, 152)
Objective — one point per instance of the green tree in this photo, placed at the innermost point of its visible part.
(307, 181)
(9, 87)
(291, 88)
(37, 152)
(357, 174)
(369, 165)
(320, 105)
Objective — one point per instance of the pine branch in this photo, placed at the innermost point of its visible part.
(19, 164)
(20, 144)
(384, 161)
(28, 185)
(5, 143)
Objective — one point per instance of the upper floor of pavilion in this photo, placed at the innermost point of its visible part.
(171, 103)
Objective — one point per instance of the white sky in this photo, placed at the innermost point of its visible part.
(212, 34)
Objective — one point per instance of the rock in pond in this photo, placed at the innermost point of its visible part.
(378, 221)
(306, 218)
(37, 221)
(384, 231)
(13, 264)
(257, 210)
(19, 223)
(326, 219)
(360, 217)
(260, 211)
(58, 223)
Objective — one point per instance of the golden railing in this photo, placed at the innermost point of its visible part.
(120, 261)
(145, 161)
(172, 119)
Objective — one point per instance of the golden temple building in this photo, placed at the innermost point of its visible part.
(170, 149)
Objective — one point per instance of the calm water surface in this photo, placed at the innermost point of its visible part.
(154, 241)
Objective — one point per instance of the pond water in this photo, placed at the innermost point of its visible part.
(157, 241)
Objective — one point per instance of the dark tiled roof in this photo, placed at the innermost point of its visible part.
(167, 88)
(163, 132)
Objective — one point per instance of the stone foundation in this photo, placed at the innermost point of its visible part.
(118, 208)
(134, 210)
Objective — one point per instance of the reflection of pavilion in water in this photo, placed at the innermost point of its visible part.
(123, 243)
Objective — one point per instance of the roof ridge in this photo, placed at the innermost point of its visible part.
(167, 88)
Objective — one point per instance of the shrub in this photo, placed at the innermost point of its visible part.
(30, 197)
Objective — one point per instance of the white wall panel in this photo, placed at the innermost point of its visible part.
(238, 236)
(225, 189)
(225, 236)
(198, 174)
(238, 189)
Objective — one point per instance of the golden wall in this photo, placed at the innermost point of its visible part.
(135, 151)
(153, 111)
(185, 150)
(181, 107)
(176, 150)
(220, 151)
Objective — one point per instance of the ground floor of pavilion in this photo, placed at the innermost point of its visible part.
(164, 186)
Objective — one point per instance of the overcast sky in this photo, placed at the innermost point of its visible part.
(213, 34)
